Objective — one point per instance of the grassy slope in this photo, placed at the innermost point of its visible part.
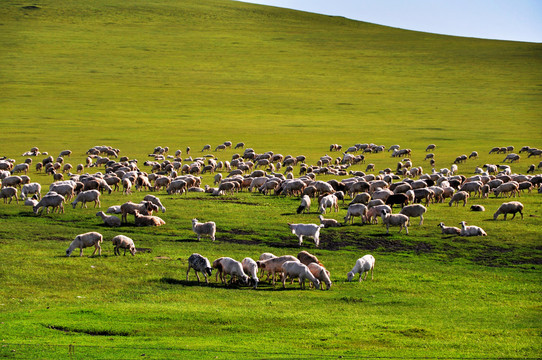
(190, 73)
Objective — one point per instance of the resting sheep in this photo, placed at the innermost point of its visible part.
(147, 220)
(310, 230)
(123, 242)
(207, 228)
(112, 221)
(477, 208)
(145, 208)
(471, 230)
(82, 241)
(363, 265)
(295, 269)
(511, 207)
(87, 196)
(201, 264)
(449, 230)
(328, 222)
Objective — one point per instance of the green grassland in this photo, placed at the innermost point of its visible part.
(135, 75)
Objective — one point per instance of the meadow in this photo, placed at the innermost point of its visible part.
(137, 75)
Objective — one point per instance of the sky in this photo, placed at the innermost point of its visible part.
(517, 20)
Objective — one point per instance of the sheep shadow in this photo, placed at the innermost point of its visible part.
(190, 240)
(191, 283)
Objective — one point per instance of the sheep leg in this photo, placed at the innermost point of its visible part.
(300, 240)
(406, 229)
(197, 276)
(421, 220)
(81, 251)
(387, 229)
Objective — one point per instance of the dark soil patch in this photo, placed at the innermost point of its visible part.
(91, 332)
(238, 241)
(31, 7)
(144, 250)
(242, 232)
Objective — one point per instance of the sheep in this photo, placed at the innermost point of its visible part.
(265, 256)
(375, 212)
(233, 268)
(305, 205)
(363, 265)
(55, 201)
(395, 220)
(471, 230)
(156, 201)
(477, 208)
(147, 220)
(459, 196)
(306, 258)
(329, 201)
(112, 221)
(401, 199)
(430, 147)
(299, 270)
(207, 228)
(328, 222)
(319, 272)
(362, 198)
(310, 230)
(115, 209)
(511, 207)
(449, 230)
(414, 210)
(251, 268)
(88, 239)
(145, 208)
(31, 201)
(32, 188)
(177, 186)
(13, 181)
(87, 196)
(201, 264)
(9, 192)
(123, 242)
(356, 210)
(512, 187)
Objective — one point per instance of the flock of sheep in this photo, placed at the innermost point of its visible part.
(372, 194)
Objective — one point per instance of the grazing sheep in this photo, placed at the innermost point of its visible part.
(147, 220)
(87, 196)
(144, 208)
(310, 230)
(207, 228)
(319, 272)
(328, 222)
(123, 242)
(9, 192)
(459, 196)
(414, 210)
(511, 207)
(430, 147)
(112, 221)
(251, 268)
(362, 198)
(156, 201)
(295, 269)
(305, 205)
(201, 264)
(449, 230)
(401, 199)
(395, 220)
(363, 265)
(31, 201)
(477, 208)
(265, 256)
(329, 201)
(356, 210)
(511, 187)
(55, 201)
(306, 258)
(471, 230)
(375, 212)
(82, 241)
(233, 268)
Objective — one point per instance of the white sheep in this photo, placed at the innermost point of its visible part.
(459, 196)
(265, 256)
(363, 265)
(449, 230)
(87, 196)
(310, 230)
(32, 188)
(115, 209)
(329, 201)
(471, 230)
(305, 205)
(356, 210)
(207, 228)
(123, 242)
(273, 266)
(31, 201)
(511, 207)
(395, 220)
(147, 220)
(414, 210)
(321, 274)
(328, 222)
(251, 268)
(201, 264)
(53, 200)
(145, 208)
(112, 221)
(295, 269)
(9, 193)
(233, 268)
(156, 201)
(88, 239)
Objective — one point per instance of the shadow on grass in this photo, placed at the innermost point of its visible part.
(219, 285)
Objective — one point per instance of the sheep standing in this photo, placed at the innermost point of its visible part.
(449, 230)
(295, 269)
(87, 196)
(145, 208)
(274, 265)
(459, 196)
(395, 220)
(123, 242)
(112, 221)
(363, 265)
(356, 210)
(471, 230)
(511, 207)
(307, 258)
(32, 188)
(208, 228)
(55, 201)
(251, 268)
(414, 210)
(310, 230)
(9, 193)
(156, 201)
(305, 205)
(321, 274)
(82, 241)
(233, 268)
(201, 264)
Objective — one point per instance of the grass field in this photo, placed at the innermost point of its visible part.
(135, 75)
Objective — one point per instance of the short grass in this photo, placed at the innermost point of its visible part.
(136, 75)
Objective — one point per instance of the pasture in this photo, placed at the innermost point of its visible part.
(138, 75)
